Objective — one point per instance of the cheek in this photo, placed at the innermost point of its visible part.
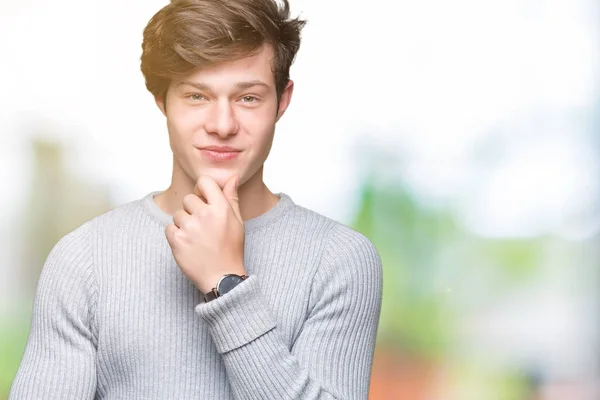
(257, 122)
(181, 125)
(261, 131)
(263, 141)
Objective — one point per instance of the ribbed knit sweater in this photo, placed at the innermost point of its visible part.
(115, 318)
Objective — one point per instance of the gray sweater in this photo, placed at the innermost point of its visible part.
(115, 318)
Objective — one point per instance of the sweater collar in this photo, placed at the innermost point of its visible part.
(284, 204)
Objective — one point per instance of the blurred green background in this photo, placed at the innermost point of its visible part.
(463, 140)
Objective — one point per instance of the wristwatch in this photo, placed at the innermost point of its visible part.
(225, 284)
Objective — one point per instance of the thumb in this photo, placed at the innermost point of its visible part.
(230, 190)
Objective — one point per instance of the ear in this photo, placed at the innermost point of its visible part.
(286, 98)
(160, 102)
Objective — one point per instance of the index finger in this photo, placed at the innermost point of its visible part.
(208, 189)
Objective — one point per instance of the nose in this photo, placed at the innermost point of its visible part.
(222, 120)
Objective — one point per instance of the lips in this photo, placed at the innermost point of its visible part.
(219, 155)
(221, 149)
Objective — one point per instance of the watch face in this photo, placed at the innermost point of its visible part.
(228, 283)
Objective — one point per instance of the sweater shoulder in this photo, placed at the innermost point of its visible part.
(350, 267)
(119, 219)
(341, 244)
(123, 214)
(350, 250)
(338, 233)
(311, 220)
(112, 222)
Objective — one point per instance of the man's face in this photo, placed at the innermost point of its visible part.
(229, 104)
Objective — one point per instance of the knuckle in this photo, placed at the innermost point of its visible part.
(180, 235)
(188, 200)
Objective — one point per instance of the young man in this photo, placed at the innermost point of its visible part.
(215, 288)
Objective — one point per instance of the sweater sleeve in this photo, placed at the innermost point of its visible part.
(59, 358)
(332, 356)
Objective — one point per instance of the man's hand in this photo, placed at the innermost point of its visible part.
(207, 236)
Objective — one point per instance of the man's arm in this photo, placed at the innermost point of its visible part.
(59, 359)
(332, 356)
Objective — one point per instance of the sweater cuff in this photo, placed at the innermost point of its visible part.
(238, 317)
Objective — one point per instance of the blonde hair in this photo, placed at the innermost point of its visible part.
(187, 34)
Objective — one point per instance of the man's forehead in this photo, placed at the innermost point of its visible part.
(261, 60)
(238, 85)
(242, 73)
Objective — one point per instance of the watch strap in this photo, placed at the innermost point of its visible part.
(213, 294)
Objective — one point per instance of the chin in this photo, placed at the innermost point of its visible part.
(219, 175)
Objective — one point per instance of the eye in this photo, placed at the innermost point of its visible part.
(195, 96)
(249, 99)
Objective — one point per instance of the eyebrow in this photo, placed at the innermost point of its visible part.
(239, 85)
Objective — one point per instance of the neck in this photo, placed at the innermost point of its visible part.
(254, 196)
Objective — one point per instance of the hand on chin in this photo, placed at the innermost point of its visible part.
(220, 175)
